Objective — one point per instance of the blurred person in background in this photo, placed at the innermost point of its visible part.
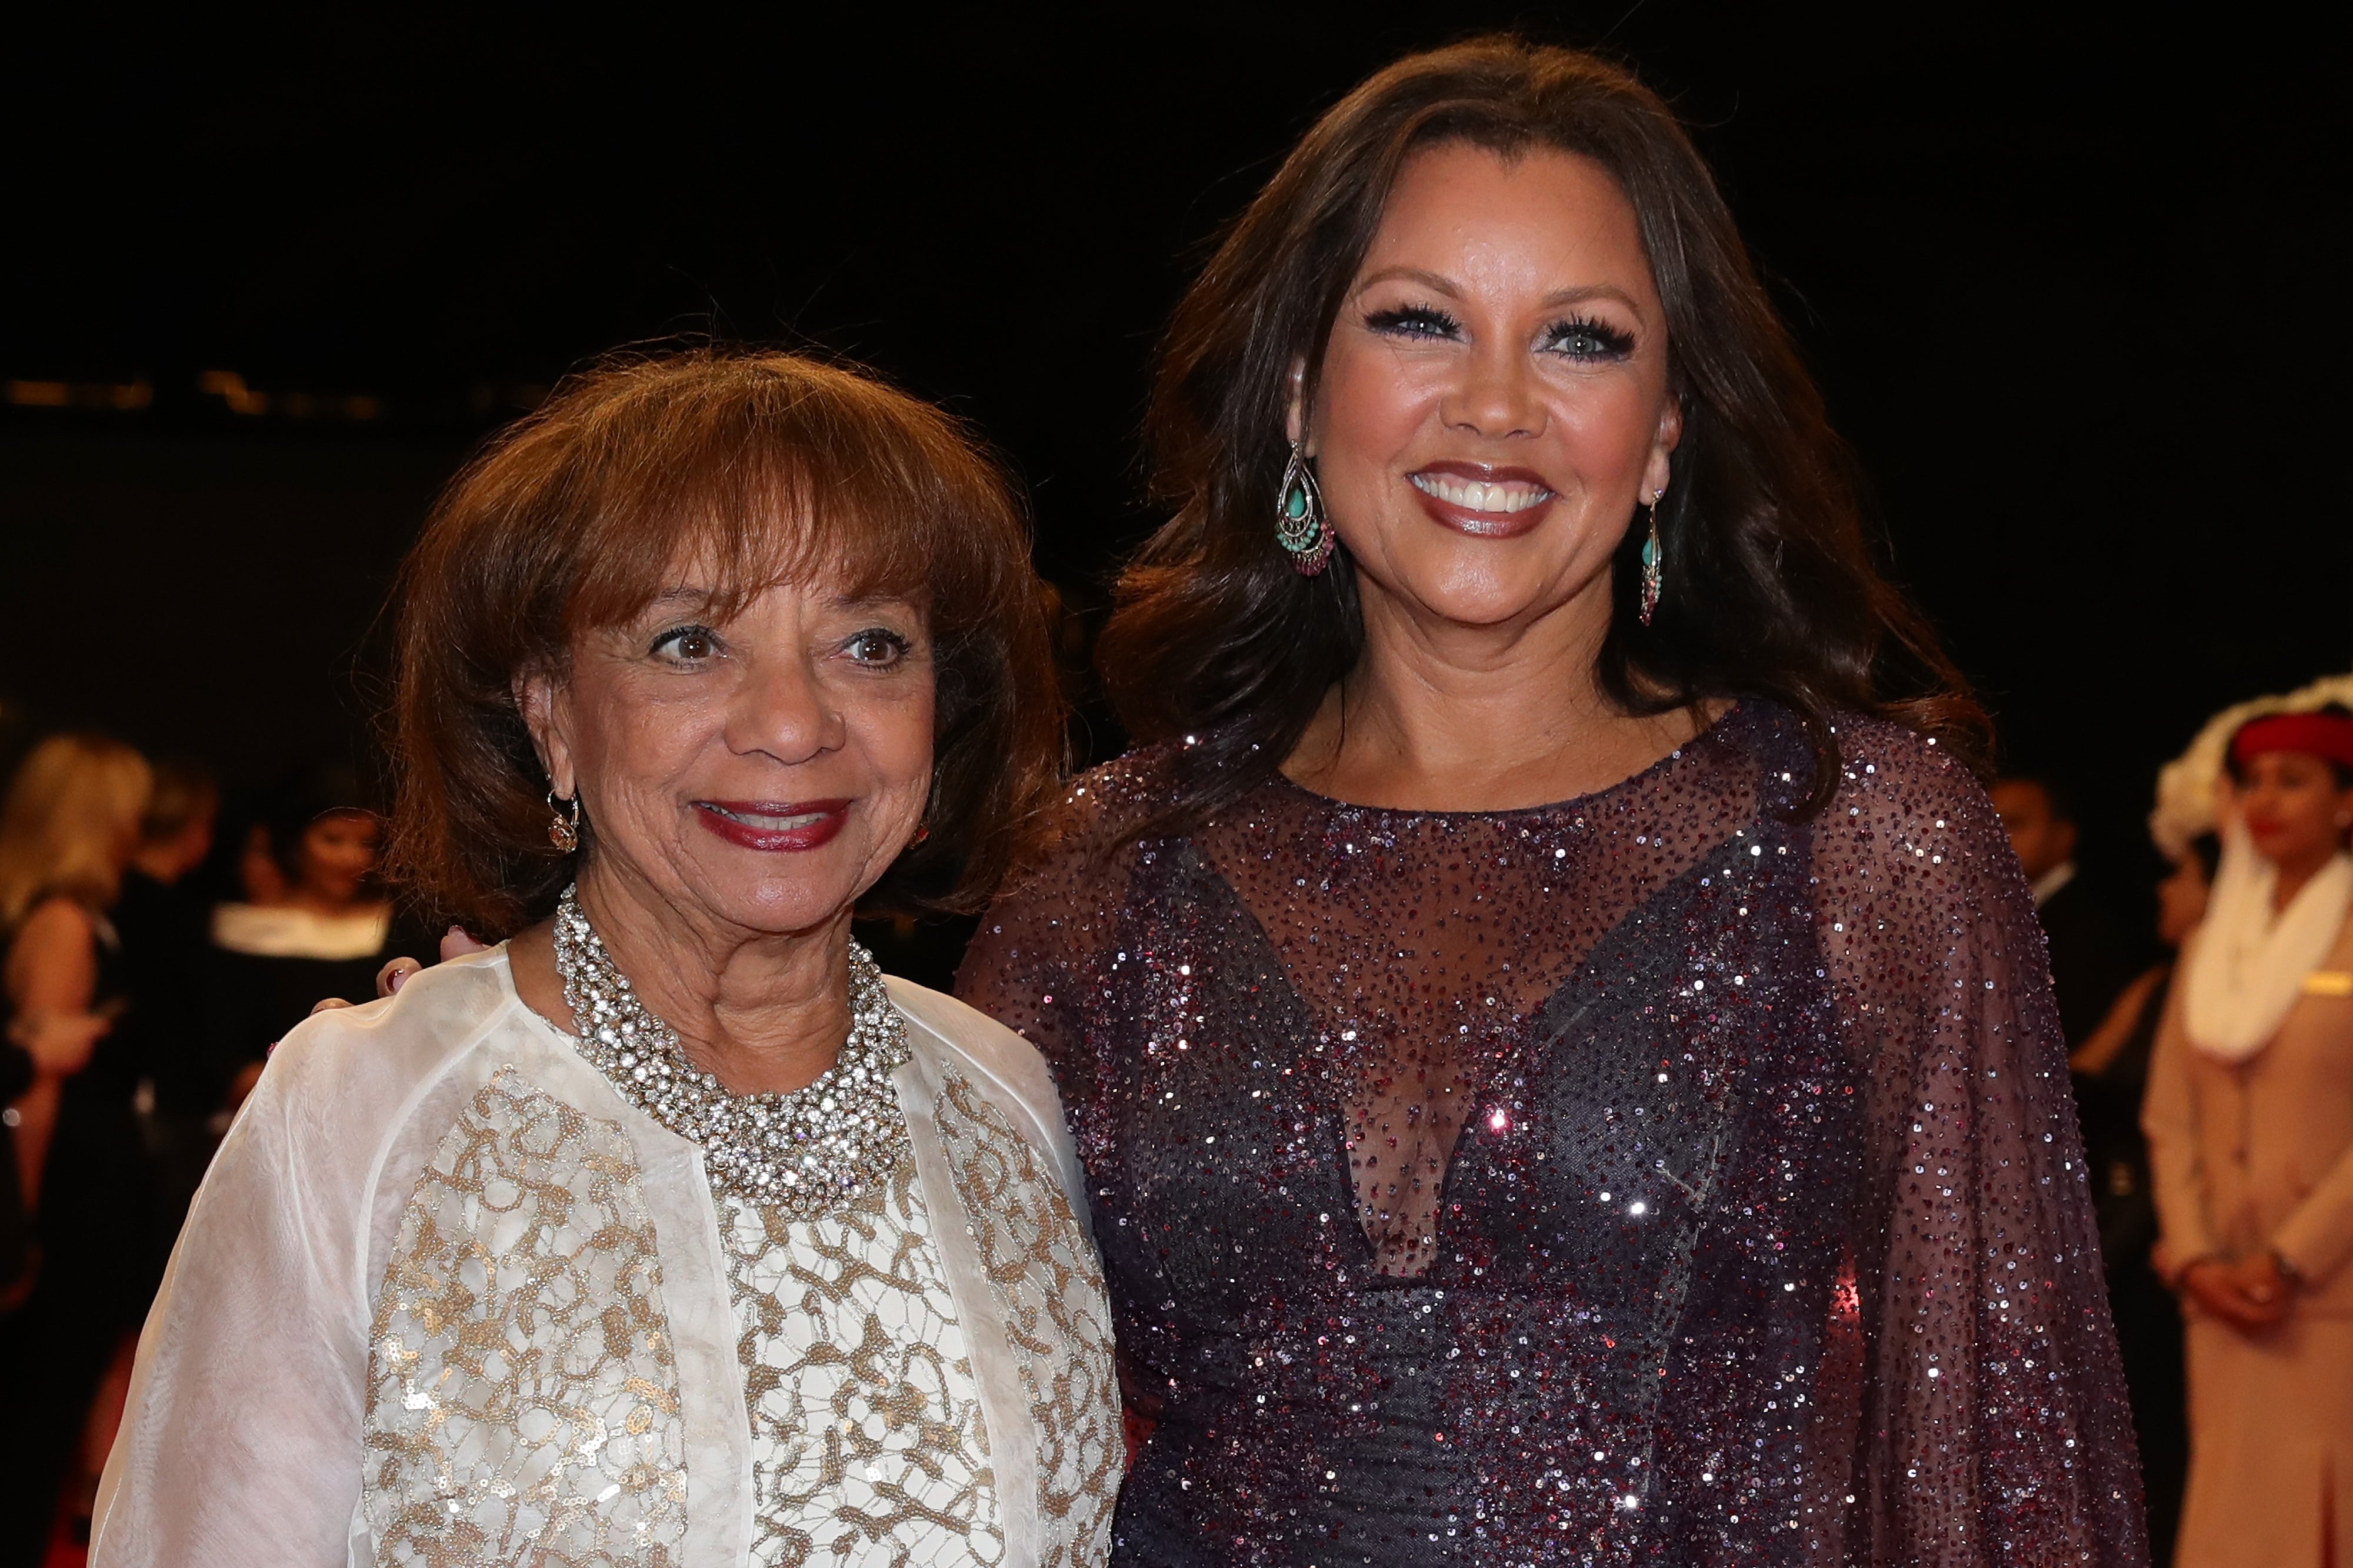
(2088, 962)
(2250, 1124)
(68, 833)
(316, 924)
(164, 917)
(2111, 1077)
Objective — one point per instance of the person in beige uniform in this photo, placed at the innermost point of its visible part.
(2250, 1122)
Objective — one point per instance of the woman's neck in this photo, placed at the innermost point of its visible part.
(1445, 718)
(764, 1014)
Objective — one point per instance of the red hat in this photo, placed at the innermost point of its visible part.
(2328, 736)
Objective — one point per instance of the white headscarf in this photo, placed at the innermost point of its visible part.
(2250, 963)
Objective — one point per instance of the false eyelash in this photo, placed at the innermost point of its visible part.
(1616, 344)
(1416, 320)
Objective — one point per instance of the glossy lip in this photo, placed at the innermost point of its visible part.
(1484, 524)
(827, 819)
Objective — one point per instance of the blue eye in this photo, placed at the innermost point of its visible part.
(1583, 338)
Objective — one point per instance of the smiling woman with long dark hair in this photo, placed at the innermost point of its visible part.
(1559, 1043)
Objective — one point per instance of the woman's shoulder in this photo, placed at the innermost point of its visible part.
(1003, 1065)
(374, 1057)
(1889, 770)
(1904, 807)
(59, 918)
(977, 1042)
(277, 931)
(1105, 804)
(1080, 836)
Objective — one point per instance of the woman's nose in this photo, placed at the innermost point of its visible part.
(783, 708)
(1497, 397)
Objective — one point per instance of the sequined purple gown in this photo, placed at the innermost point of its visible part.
(1658, 1177)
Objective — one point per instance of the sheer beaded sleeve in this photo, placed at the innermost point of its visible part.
(1041, 963)
(1994, 1427)
(1664, 1175)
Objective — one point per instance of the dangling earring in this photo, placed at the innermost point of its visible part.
(1300, 526)
(1650, 560)
(564, 831)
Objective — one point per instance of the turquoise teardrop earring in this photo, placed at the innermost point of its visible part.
(1300, 526)
(1651, 562)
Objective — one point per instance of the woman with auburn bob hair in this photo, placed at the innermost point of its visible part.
(668, 1230)
(1558, 1041)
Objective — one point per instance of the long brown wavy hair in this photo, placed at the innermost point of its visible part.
(1770, 585)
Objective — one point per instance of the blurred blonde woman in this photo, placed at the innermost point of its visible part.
(67, 836)
(69, 830)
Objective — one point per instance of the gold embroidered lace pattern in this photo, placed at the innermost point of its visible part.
(522, 1394)
(868, 1445)
(1048, 1281)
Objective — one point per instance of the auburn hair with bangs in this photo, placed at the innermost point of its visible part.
(755, 469)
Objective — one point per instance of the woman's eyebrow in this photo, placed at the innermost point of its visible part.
(1435, 281)
(1592, 291)
(873, 602)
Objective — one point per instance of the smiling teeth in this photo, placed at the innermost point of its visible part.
(771, 824)
(1482, 495)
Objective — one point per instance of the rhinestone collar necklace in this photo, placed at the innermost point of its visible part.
(807, 1153)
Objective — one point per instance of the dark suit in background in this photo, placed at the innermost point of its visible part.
(2090, 964)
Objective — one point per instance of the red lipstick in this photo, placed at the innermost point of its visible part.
(774, 826)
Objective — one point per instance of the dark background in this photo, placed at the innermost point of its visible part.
(2076, 288)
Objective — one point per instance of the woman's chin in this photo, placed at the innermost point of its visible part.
(1478, 584)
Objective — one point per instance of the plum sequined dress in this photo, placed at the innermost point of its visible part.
(1664, 1176)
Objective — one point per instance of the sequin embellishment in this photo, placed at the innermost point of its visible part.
(869, 1448)
(522, 1394)
(1049, 1285)
(1672, 1174)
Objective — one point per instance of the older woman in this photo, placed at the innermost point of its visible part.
(666, 1231)
(1560, 1047)
(2250, 1120)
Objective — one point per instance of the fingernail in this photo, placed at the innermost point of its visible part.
(399, 978)
(455, 930)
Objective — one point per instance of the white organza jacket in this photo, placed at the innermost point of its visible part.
(567, 1389)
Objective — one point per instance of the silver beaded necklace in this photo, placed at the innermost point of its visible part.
(807, 1153)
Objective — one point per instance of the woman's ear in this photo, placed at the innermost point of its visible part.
(1294, 413)
(538, 700)
(1657, 472)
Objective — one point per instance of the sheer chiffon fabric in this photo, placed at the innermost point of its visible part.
(447, 1297)
(1660, 1176)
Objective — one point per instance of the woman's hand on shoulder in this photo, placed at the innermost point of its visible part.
(455, 943)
